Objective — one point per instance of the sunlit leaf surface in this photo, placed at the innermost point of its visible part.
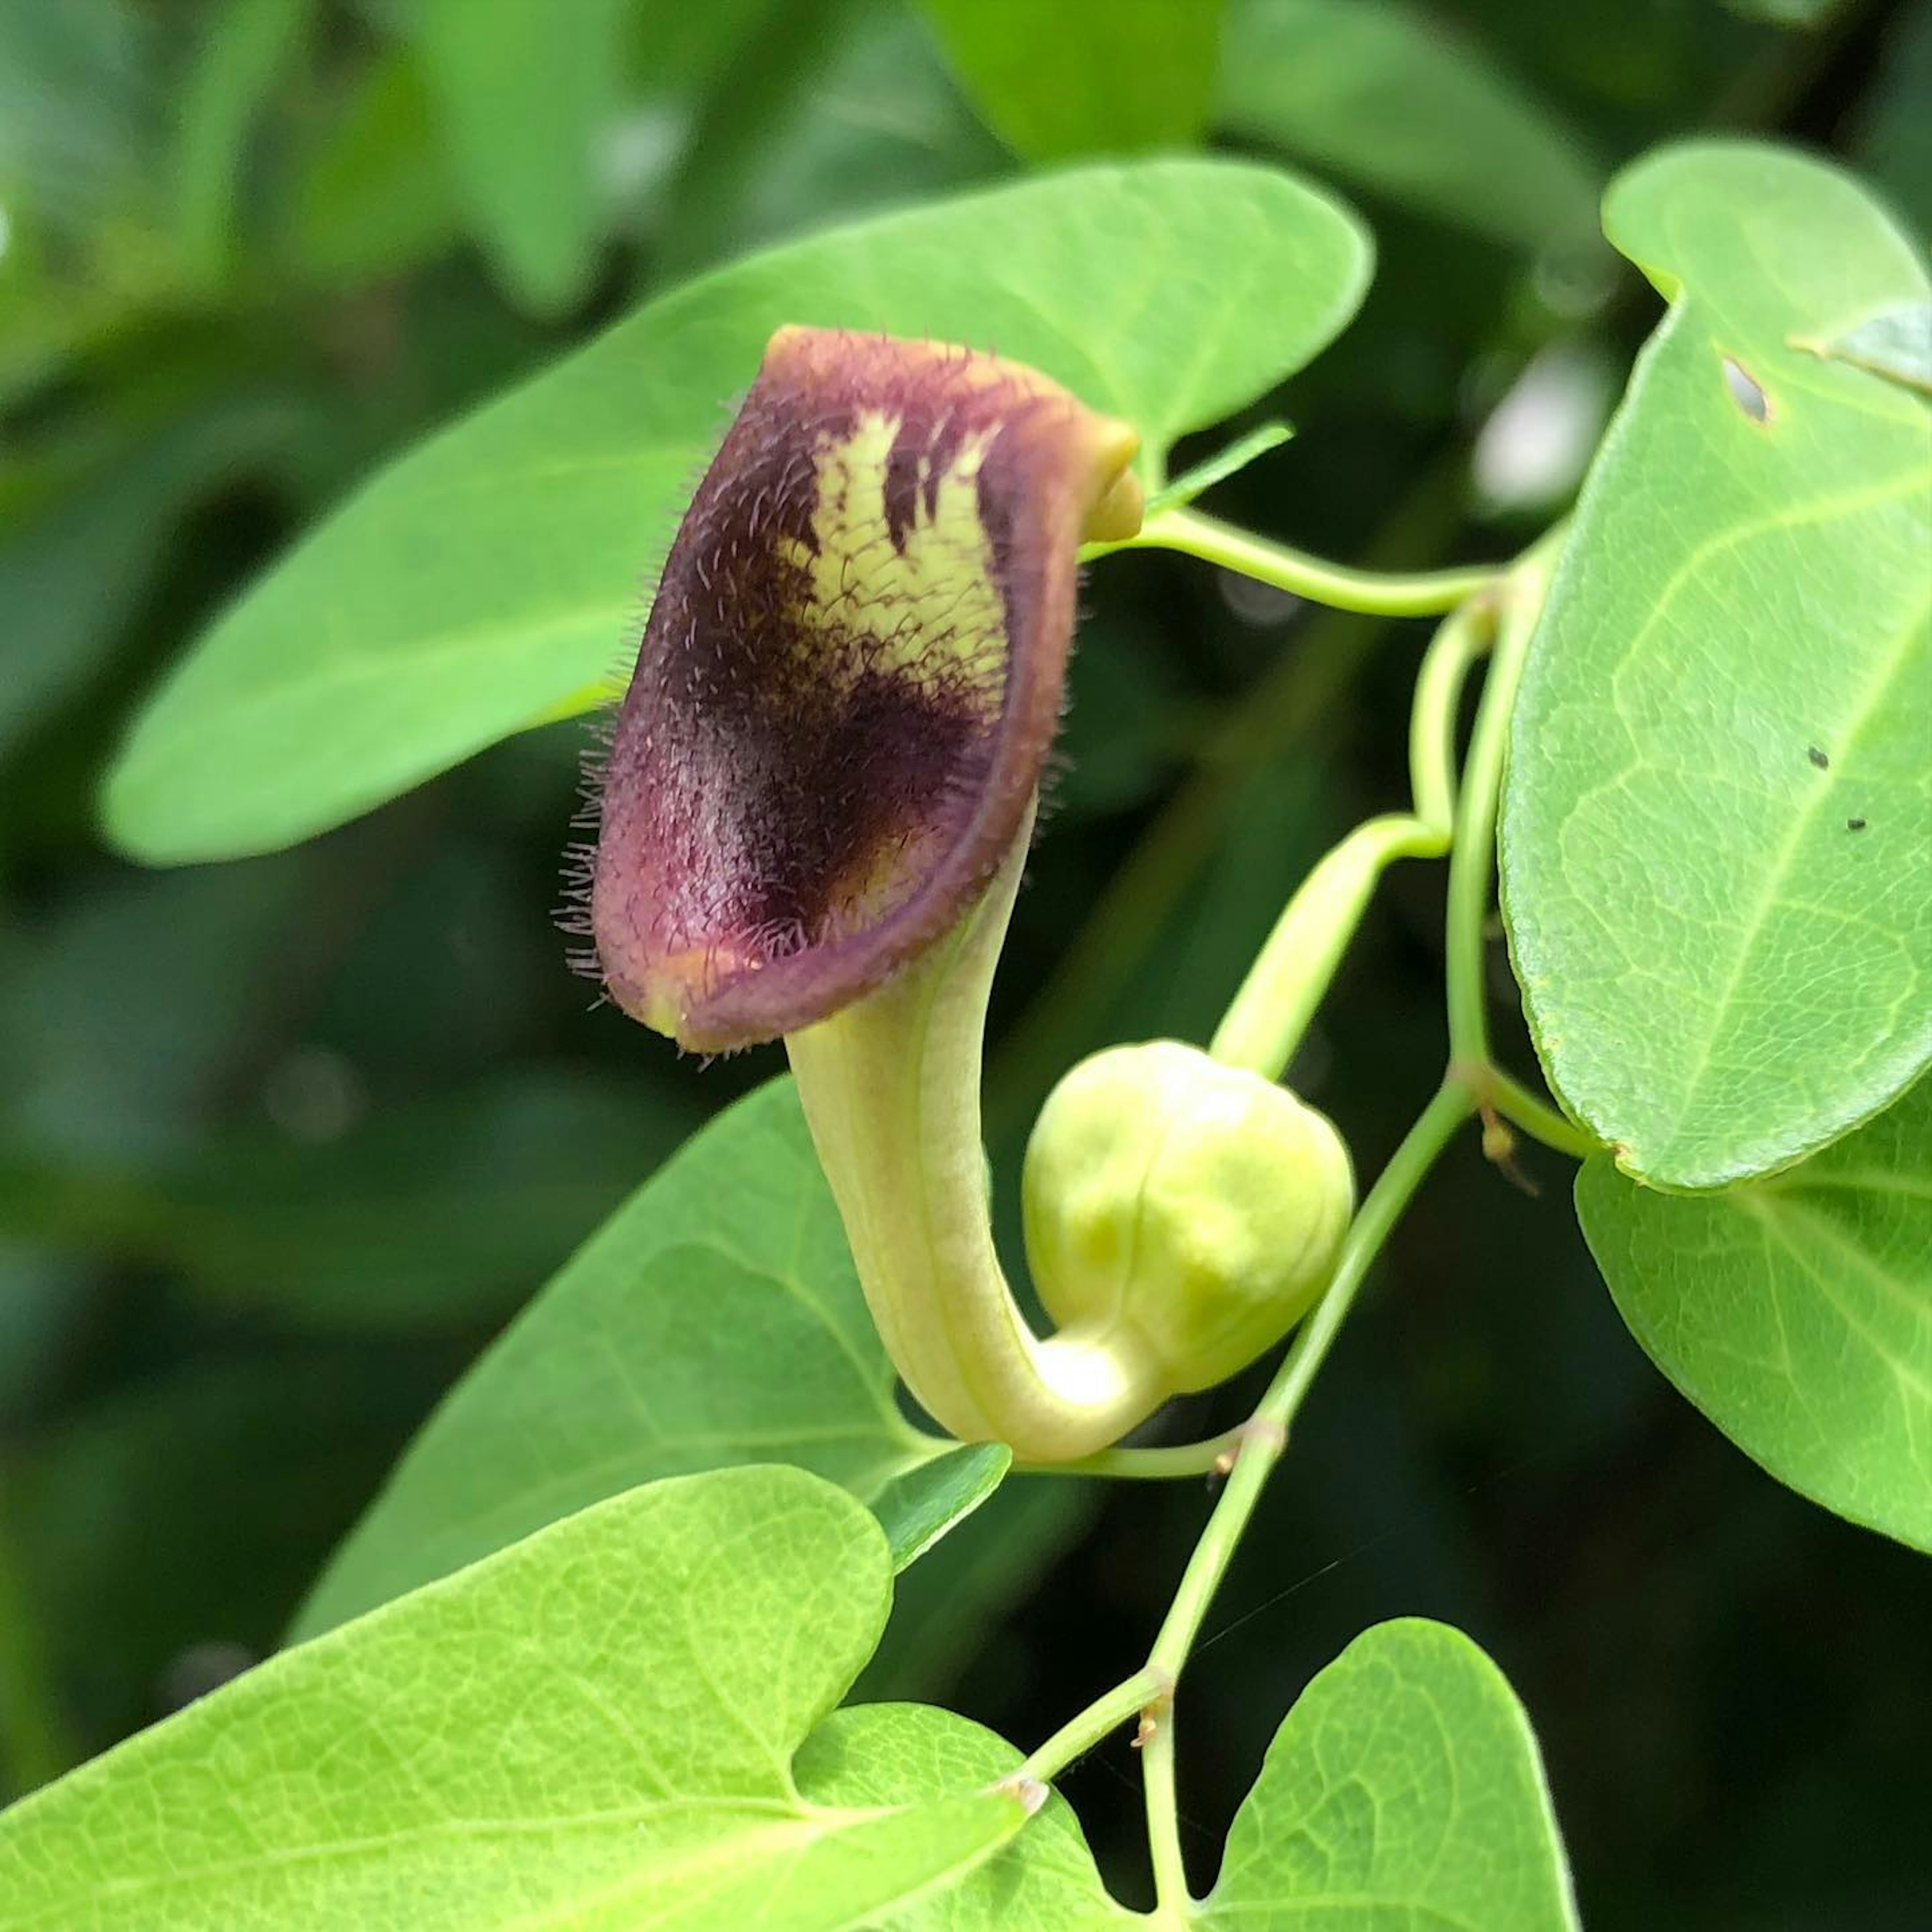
(1719, 801)
(593, 1731)
(1403, 1789)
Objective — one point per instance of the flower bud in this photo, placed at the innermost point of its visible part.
(1181, 1210)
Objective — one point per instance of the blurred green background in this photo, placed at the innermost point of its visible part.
(284, 1143)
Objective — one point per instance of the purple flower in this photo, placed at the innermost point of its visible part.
(851, 675)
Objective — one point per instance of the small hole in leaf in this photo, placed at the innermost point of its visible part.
(1747, 391)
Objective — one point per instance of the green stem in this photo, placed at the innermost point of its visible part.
(1292, 974)
(1286, 705)
(1086, 1729)
(1173, 1903)
(1377, 593)
(1472, 860)
(1521, 1108)
(1266, 1436)
(1182, 1459)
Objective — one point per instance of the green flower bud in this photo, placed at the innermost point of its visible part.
(1182, 1211)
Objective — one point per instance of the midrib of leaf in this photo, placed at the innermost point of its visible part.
(1907, 485)
(784, 1812)
(1801, 822)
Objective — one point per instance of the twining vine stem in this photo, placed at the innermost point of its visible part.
(1263, 1026)
(1292, 974)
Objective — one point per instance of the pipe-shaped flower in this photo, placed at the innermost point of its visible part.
(849, 679)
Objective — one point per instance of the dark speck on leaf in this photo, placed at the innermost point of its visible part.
(1855, 825)
(1818, 757)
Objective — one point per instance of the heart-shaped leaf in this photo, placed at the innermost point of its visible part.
(592, 1731)
(1403, 1789)
(1719, 801)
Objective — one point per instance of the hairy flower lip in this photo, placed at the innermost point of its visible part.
(850, 680)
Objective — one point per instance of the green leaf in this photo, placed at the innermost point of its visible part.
(714, 1319)
(1057, 78)
(732, 132)
(526, 89)
(247, 46)
(446, 1208)
(70, 576)
(824, 152)
(1389, 99)
(1718, 801)
(1403, 1789)
(593, 1728)
(76, 111)
(1043, 1881)
(375, 192)
(487, 582)
(948, 1607)
(1796, 1312)
(127, 1513)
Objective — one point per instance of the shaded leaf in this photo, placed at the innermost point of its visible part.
(445, 1209)
(94, 1072)
(375, 192)
(1403, 1788)
(70, 577)
(187, 1511)
(599, 1722)
(247, 45)
(882, 125)
(77, 107)
(1718, 801)
(1388, 98)
(949, 1608)
(1799, 16)
(714, 1319)
(526, 89)
(1054, 79)
(487, 582)
(745, 92)
(1796, 1311)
